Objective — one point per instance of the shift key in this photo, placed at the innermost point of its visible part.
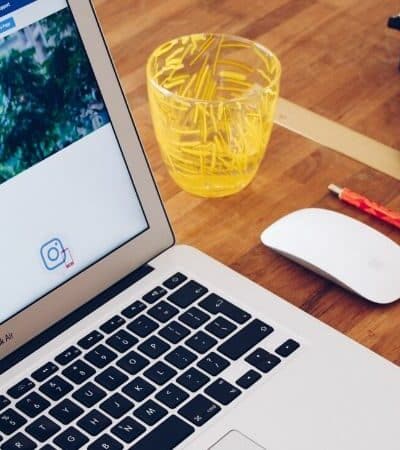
(241, 342)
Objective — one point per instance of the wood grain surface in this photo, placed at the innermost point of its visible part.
(339, 60)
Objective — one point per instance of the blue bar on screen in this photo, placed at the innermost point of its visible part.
(7, 24)
(8, 6)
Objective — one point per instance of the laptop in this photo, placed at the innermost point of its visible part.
(111, 335)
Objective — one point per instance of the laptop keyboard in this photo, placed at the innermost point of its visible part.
(146, 379)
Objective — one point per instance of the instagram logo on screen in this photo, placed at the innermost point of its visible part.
(55, 255)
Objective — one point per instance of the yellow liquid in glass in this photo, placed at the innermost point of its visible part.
(211, 110)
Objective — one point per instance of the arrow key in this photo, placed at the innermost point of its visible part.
(248, 379)
(262, 360)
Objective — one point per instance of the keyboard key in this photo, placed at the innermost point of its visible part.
(143, 326)
(68, 355)
(122, 341)
(213, 364)
(44, 372)
(113, 324)
(56, 388)
(175, 280)
(287, 348)
(100, 356)
(187, 294)
(194, 318)
(162, 438)
(181, 357)
(201, 342)
(66, 411)
(174, 332)
(133, 363)
(155, 294)
(89, 395)
(116, 406)
(105, 442)
(199, 410)
(150, 412)
(133, 310)
(78, 372)
(262, 360)
(215, 304)
(154, 347)
(33, 404)
(4, 402)
(222, 391)
(160, 373)
(241, 342)
(10, 421)
(163, 311)
(138, 389)
(43, 429)
(48, 447)
(19, 441)
(111, 378)
(21, 388)
(248, 379)
(193, 379)
(94, 423)
(221, 327)
(128, 430)
(71, 439)
(90, 340)
(172, 396)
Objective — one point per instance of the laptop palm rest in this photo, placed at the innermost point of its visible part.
(235, 440)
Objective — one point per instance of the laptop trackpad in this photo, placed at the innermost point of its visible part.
(235, 440)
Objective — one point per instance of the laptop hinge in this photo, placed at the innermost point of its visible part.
(74, 317)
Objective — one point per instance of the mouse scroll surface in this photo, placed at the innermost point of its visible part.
(342, 249)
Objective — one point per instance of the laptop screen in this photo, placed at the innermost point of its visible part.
(66, 196)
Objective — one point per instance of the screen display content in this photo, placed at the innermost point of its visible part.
(66, 196)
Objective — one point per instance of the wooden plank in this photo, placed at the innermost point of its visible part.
(338, 137)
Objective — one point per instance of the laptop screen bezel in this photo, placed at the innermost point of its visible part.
(159, 236)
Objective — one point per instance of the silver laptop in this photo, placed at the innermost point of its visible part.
(113, 337)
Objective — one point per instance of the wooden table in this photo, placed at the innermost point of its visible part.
(338, 60)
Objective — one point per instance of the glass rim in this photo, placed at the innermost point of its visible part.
(171, 94)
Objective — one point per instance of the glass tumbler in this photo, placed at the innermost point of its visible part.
(212, 99)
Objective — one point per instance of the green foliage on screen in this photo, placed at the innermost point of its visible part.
(49, 97)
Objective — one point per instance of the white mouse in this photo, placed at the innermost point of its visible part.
(339, 248)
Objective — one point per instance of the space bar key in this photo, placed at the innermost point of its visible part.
(166, 436)
(249, 336)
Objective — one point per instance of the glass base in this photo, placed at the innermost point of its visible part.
(214, 186)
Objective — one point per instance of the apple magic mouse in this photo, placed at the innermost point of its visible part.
(339, 248)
